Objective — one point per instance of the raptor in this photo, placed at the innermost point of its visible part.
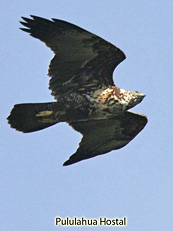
(85, 95)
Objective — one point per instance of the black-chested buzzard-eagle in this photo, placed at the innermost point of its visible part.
(82, 84)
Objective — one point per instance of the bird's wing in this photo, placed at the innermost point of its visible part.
(82, 61)
(102, 136)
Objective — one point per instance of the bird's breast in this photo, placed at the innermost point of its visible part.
(105, 103)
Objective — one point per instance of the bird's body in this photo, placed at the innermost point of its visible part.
(97, 105)
(86, 97)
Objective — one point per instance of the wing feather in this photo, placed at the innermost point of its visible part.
(102, 136)
(81, 59)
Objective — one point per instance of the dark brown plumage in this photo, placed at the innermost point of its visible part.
(82, 84)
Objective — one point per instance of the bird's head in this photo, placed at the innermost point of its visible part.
(132, 98)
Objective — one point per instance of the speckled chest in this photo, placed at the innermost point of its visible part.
(106, 103)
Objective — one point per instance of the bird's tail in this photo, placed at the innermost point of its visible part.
(32, 117)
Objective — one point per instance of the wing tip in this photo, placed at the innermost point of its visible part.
(67, 163)
(26, 23)
(72, 160)
(26, 30)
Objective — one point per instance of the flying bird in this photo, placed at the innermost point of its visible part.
(82, 84)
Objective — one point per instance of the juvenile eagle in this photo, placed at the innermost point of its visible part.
(82, 84)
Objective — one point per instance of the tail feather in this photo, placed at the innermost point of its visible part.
(31, 117)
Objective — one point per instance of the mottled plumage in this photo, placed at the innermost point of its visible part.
(82, 84)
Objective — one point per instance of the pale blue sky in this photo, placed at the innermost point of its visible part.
(135, 181)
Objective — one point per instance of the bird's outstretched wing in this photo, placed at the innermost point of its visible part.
(102, 136)
(82, 61)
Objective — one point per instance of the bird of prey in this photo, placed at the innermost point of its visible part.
(82, 83)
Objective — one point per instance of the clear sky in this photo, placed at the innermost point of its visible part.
(135, 181)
